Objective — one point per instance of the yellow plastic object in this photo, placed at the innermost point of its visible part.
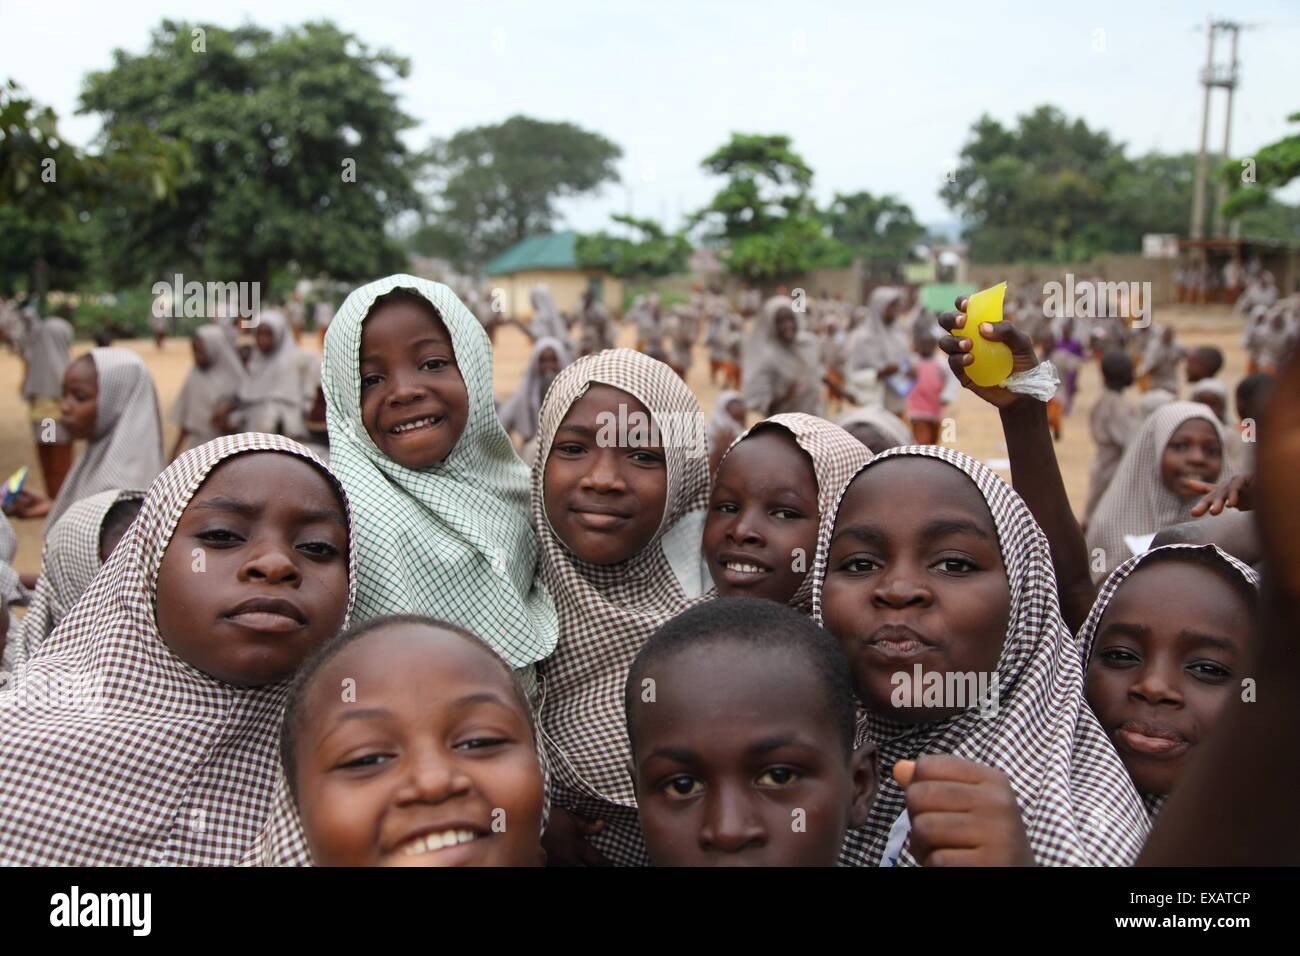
(993, 361)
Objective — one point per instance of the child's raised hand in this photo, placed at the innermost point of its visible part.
(1238, 492)
(565, 840)
(1023, 356)
(963, 813)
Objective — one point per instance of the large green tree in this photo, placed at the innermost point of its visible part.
(492, 186)
(50, 191)
(654, 252)
(297, 163)
(881, 229)
(1038, 191)
(763, 216)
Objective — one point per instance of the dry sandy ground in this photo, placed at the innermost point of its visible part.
(978, 430)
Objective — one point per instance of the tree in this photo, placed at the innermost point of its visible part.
(1039, 191)
(881, 229)
(493, 186)
(763, 215)
(654, 253)
(296, 157)
(1273, 167)
(49, 191)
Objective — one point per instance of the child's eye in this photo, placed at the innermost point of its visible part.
(481, 743)
(646, 458)
(319, 549)
(778, 777)
(682, 786)
(858, 565)
(435, 364)
(955, 565)
(788, 514)
(219, 536)
(1119, 656)
(368, 381)
(1209, 671)
(727, 508)
(365, 760)
(570, 448)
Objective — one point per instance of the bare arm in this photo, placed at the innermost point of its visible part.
(1035, 474)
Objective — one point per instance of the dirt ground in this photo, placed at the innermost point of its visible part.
(978, 430)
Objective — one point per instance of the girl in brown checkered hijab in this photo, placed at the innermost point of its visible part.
(620, 486)
(143, 731)
(934, 568)
(1163, 646)
(773, 486)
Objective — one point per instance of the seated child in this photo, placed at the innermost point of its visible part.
(143, 731)
(427, 758)
(770, 492)
(741, 720)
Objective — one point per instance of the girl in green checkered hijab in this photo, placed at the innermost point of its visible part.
(441, 498)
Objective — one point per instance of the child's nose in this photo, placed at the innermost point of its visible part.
(730, 824)
(1156, 685)
(745, 528)
(431, 778)
(604, 475)
(271, 564)
(900, 590)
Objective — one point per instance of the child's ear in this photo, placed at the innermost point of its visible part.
(865, 768)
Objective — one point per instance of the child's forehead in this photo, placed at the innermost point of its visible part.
(722, 675)
(390, 657)
(914, 480)
(401, 317)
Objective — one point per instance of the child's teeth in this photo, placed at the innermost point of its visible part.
(744, 568)
(438, 841)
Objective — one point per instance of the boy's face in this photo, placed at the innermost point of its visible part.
(762, 520)
(604, 488)
(413, 399)
(747, 770)
(80, 402)
(256, 573)
(427, 761)
(1193, 452)
(915, 577)
(1163, 666)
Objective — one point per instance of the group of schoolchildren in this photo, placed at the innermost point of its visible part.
(647, 646)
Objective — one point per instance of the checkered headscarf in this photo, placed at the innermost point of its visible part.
(1088, 633)
(836, 457)
(118, 753)
(69, 563)
(608, 612)
(1078, 803)
(452, 541)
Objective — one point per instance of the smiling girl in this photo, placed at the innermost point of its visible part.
(441, 497)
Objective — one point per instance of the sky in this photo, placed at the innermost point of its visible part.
(876, 96)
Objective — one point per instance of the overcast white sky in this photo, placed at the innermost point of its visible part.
(877, 96)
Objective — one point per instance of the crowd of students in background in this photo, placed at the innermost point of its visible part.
(349, 621)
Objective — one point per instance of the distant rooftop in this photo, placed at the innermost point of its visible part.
(555, 251)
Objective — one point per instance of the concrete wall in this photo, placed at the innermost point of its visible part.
(1111, 268)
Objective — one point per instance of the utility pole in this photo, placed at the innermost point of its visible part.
(1211, 76)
